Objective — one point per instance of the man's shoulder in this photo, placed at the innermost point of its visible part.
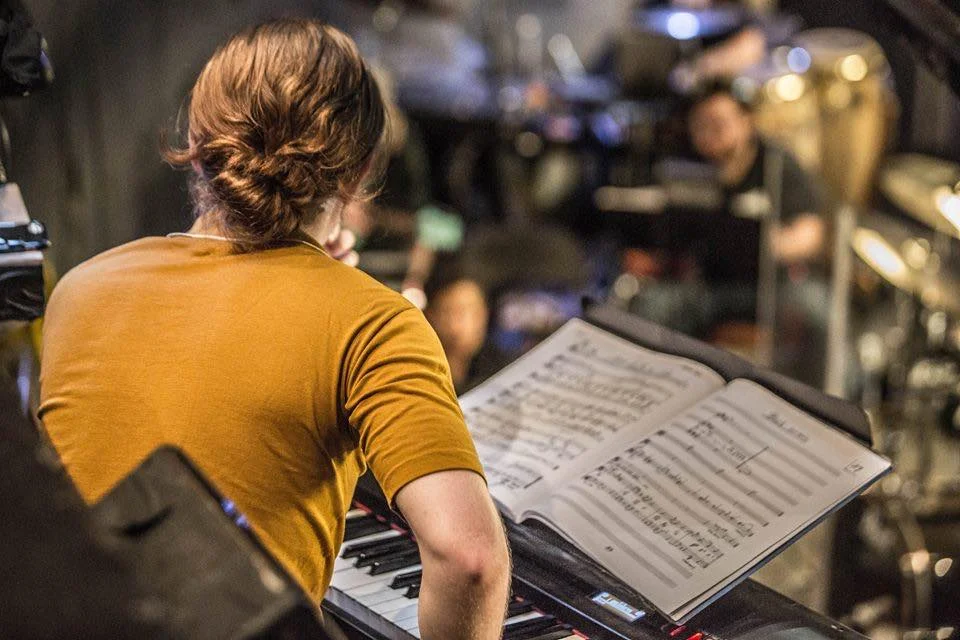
(115, 258)
(332, 289)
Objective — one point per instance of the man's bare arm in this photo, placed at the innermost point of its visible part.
(802, 240)
(463, 549)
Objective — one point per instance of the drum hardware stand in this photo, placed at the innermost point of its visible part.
(838, 320)
(767, 277)
(915, 567)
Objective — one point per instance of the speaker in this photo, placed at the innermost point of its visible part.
(194, 553)
(60, 579)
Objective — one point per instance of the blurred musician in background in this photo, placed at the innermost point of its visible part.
(282, 372)
(403, 219)
(458, 310)
(720, 282)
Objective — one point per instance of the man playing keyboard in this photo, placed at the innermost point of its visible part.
(283, 372)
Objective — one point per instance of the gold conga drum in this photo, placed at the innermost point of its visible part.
(857, 107)
(784, 100)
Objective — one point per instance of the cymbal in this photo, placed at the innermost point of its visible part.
(922, 186)
(900, 252)
(879, 240)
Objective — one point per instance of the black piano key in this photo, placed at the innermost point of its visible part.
(389, 549)
(519, 629)
(363, 526)
(562, 631)
(404, 580)
(517, 607)
(355, 549)
(400, 561)
(413, 592)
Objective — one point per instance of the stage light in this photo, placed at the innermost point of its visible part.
(683, 25)
(799, 60)
(790, 87)
(854, 68)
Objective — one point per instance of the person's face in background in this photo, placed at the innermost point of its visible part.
(720, 128)
(458, 313)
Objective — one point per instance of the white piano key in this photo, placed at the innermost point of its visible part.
(379, 598)
(410, 620)
(400, 613)
(523, 617)
(352, 578)
(355, 513)
(389, 606)
(379, 535)
(412, 624)
(371, 589)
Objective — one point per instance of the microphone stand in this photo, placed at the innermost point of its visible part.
(767, 276)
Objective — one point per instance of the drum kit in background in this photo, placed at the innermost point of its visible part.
(828, 98)
(907, 285)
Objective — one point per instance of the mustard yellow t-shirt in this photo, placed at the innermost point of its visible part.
(282, 373)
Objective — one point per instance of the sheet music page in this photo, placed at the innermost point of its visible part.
(683, 511)
(550, 413)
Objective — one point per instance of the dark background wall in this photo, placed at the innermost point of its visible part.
(86, 151)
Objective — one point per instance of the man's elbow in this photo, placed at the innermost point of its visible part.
(483, 563)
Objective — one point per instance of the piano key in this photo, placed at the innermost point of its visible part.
(390, 586)
(515, 630)
(400, 561)
(406, 579)
(539, 634)
(411, 618)
(352, 578)
(400, 547)
(517, 607)
(558, 635)
(523, 617)
(342, 563)
(400, 613)
(405, 616)
(411, 625)
(389, 606)
(382, 604)
(362, 526)
(375, 592)
(354, 549)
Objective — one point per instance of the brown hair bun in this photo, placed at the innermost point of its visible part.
(284, 116)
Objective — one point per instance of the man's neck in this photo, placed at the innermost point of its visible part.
(211, 223)
(208, 223)
(736, 168)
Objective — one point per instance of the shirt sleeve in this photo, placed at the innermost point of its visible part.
(400, 399)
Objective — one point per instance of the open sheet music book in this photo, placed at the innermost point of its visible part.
(679, 483)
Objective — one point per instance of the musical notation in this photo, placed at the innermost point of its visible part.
(654, 465)
(706, 490)
(543, 413)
